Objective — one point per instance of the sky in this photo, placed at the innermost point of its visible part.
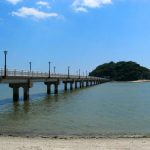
(81, 34)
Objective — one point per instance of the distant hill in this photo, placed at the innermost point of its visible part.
(122, 71)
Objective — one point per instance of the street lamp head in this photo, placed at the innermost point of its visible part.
(5, 52)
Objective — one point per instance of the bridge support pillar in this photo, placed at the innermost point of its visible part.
(68, 82)
(56, 88)
(90, 83)
(80, 84)
(76, 84)
(16, 87)
(48, 89)
(65, 86)
(15, 94)
(26, 93)
(71, 86)
(87, 83)
(49, 83)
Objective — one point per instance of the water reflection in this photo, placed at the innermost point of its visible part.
(16, 107)
(42, 100)
(26, 106)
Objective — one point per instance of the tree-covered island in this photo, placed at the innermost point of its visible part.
(122, 71)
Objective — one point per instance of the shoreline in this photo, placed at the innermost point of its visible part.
(67, 137)
(135, 81)
(37, 143)
(139, 81)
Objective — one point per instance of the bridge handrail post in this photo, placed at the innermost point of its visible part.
(26, 73)
(7, 72)
(1, 72)
(15, 72)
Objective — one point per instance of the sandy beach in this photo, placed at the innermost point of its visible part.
(19, 143)
(139, 81)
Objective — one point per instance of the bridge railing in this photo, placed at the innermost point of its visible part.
(23, 73)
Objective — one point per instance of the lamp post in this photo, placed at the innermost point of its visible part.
(49, 69)
(54, 69)
(68, 71)
(30, 63)
(86, 73)
(76, 73)
(79, 73)
(5, 69)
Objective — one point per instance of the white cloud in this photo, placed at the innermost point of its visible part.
(43, 3)
(14, 2)
(84, 4)
(33, 13)
(80, 9)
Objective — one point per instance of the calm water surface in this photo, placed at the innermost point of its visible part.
(107, 109)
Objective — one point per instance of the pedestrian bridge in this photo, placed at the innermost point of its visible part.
(25, 79)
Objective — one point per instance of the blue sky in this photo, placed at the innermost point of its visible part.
(76, 33)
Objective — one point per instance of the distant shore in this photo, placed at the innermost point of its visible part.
(20, 143)
(139, 81)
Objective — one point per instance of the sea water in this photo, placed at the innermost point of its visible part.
(110, 109)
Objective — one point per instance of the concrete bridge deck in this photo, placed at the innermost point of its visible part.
(25, 79)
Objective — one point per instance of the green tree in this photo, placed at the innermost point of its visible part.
(121, 71)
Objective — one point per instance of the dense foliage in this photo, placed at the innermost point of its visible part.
(122, 71)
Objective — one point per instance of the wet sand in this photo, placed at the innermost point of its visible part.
(20, 143)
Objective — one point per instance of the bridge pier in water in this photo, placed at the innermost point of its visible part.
(91, 83)
(76, 84)
(66, 82)
(15, 93)
(87, 83)
(48, 88)
(16, 86)
(49, 83)
(71, 86)
(80, 84)
(26, 93)
(56, 88)
(65, 86)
